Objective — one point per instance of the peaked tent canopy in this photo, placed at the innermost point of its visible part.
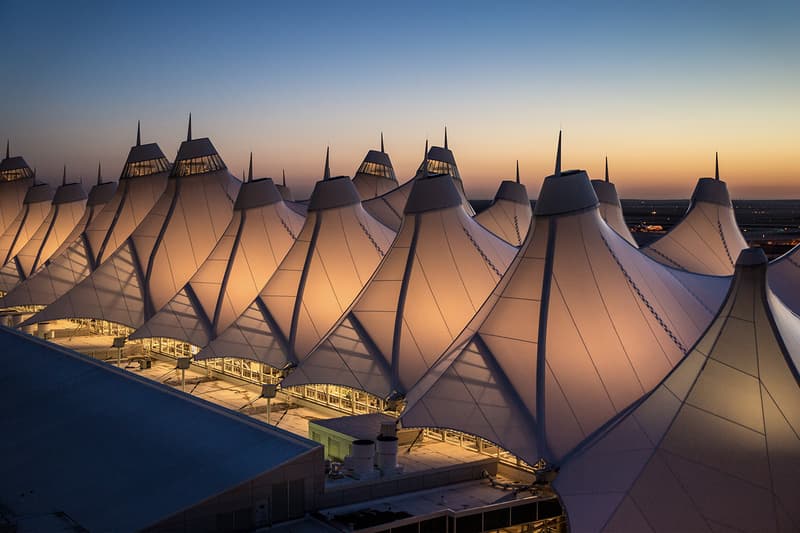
(16, 177)
(375, 176)
(715, 447)
(35, 208)
(68, 216)
(335, 254)
(510, 214)
(580, 327)
(257, 239)
(164, 251)
(439, 271)
(142, 182)
(286, 192)
(389, 207)
(610, 208)
(707, 240)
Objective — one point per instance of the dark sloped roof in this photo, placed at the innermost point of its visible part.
(115, 451)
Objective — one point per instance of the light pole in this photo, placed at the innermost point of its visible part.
(182, 364)
(269, 391)
(119, 344)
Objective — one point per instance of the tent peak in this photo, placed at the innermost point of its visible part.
(558, 156)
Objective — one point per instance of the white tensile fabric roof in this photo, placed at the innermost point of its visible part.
(68, 216)
(715, 447)
(784, 278)
(388, 208)
(35, 208)
(257, 239)
(375, 176)
(164, 251)
(707, 240)
(580, 327)
(141, 184)
(509, 216)
(12, 194)
(335, 254)
(15, 179)
(437, 274)
(611, 210)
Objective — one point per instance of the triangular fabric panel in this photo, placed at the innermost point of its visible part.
(160, 257)
(707, 240)
(615, 323)
(32, 216)
(332, 259)
(506, 218)
(388, 208)
(105, 233)
(455, 266)
(12, 194)
(254, 244)
(718, 439)
(784, 278)
(64, 221)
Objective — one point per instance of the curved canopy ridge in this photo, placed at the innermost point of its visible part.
(437, 274)
(35, 208)
(67, 217)
(707, 240)
(509, 216)
(784, 278)
(143, 181)
(375, 176)
(716, 445)
(580, 327)
(335, 254)
(257, 239)
(164, 251)
(389, 207)
(611, 210)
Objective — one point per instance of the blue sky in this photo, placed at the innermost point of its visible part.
(657, 86)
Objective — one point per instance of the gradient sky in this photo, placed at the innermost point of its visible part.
(656, 86)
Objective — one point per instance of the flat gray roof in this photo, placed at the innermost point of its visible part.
(114, 451)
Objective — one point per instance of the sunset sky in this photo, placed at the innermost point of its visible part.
(659, 87)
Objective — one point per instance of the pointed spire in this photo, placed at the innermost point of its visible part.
(606, 168)
(99, 176)
(189, 133)
(8, 148)
(445, 138)
(382, 150)
(64, 176)
(327, 174)
(250, 168)
(517, 170)
(138, 133)
(425, 161)
(558, 156)
(716, 165)
(283, 171)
